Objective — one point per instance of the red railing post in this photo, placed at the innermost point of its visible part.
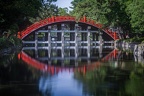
(53, 19)
(84, 18)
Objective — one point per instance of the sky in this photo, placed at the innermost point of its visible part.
(64, 3)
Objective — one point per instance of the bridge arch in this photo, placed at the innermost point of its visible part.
(58, 19)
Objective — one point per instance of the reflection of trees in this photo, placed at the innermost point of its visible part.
(135, 85)
(45, 85)
(103, 81)
(16, 78)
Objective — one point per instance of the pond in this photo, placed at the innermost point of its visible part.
(102, 72)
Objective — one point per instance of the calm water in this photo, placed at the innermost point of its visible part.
(105, 72)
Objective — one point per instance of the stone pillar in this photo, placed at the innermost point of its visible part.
(88, 41)
(100, 51)
(49, 41)
(100, 38)
(46, 38)
(82, 44)
(36, 40)
(36, 44)
(36, 53)
(62, 39)
(76, 40)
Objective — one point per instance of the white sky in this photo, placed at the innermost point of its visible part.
(64, 3)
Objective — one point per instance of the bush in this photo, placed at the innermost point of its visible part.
(9, 42)
(3, 43)
(135, 39)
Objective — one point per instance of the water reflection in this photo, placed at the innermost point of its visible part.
(59, 73)
(33, 73)
(55, 62)
(135, 85)
(69, 56)
(61, 85)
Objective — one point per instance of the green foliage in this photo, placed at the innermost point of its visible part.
(13, 29)
(15, 41)
(135, 39)
(127, 15)
(106, 12)
(4, 43)
(75, 2)
(17, 12)
(63, 11)
(8, 42)
(47, 10)
(15, 16)
(135, 10)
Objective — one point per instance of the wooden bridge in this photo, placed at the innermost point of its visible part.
(63, 31)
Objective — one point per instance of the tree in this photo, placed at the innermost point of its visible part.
(135, 10)
(47, 10)
(125, 15)
(17, 12)
(14, 17)
(63, 11)
(75, 2)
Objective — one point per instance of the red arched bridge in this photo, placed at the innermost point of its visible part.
(63, 30)
(55, 69)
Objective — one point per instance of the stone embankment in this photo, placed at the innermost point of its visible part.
(126, 45)
(136, 48)
(139, 49)
(139, 52)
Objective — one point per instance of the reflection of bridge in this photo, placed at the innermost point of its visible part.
(67, 52)
(55, 69)
(63, 31)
